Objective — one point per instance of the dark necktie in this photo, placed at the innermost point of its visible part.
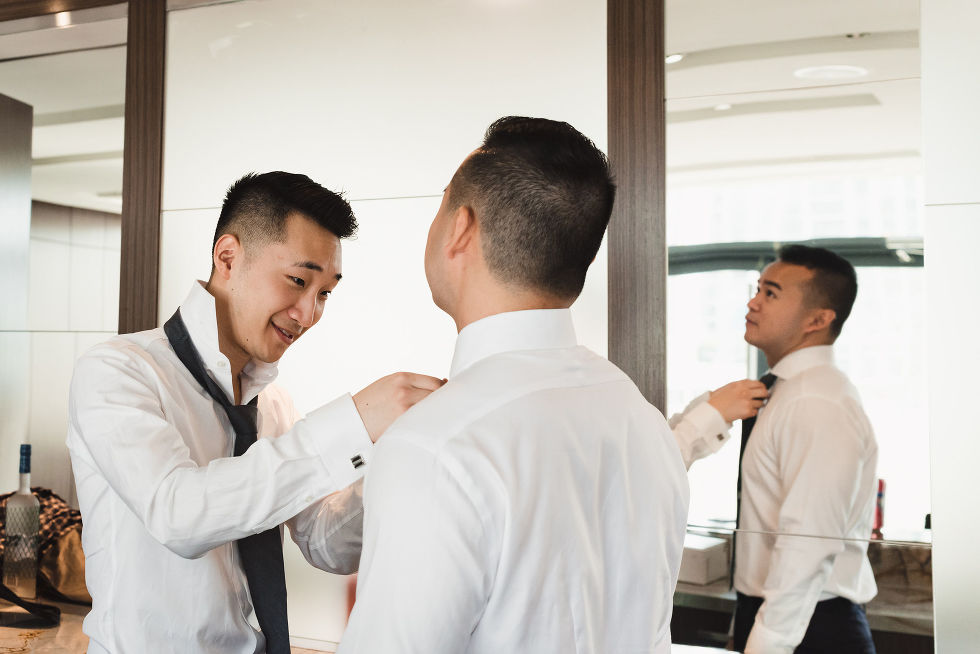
(260, 554)
(747, 424)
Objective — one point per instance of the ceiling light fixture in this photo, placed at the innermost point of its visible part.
(724, 106)
(832, 72)
(674, 58)
(62, 19)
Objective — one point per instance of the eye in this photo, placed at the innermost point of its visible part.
(299, 281)
(324, 295)
(769, 293)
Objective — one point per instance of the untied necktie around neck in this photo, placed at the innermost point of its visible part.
(260, 554)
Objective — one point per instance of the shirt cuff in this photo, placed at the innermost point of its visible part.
(708, 421)
(340, 439)
(766, 641)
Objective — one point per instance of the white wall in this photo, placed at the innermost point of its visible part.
(381, 99)
(950, 93)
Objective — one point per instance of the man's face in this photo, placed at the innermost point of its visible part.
(281, 289)
(778, 314)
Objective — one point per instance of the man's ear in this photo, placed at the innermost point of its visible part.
(465, 231)
(819, 319)
(227, 253)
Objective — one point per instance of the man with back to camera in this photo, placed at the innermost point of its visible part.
(807, 472)
(182, 539)
(535, 503)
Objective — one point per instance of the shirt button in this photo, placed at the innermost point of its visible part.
(308, 498)
(222, 364)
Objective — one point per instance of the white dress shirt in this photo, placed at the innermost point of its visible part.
(699, 430)
(163, 500)
(535, 503)
(808, 490)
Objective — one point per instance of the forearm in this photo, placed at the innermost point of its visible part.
(330, 532)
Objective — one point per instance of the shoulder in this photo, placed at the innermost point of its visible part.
(145, 358)
(821, 383)
(501, 381)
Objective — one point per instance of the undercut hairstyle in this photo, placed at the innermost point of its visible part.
(834, 284)
(256, 208)
(542, 194)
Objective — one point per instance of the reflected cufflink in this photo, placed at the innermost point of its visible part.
(357, 461)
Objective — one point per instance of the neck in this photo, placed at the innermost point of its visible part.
(227, 345)
(25, 483)
(774, 357)
(477, 304)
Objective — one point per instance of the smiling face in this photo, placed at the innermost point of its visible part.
(780, 320)
(277, 291)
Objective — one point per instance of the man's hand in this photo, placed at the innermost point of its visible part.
(389, 397)
(739, 399)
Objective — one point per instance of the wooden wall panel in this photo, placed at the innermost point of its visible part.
(636, 239)
(142, 165)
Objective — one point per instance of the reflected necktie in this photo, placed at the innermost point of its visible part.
(747, 424)
(260, 554)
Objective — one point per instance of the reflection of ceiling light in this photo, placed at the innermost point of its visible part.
(673, 58)
(62, 19)
(830, 72)
(903, 256)
(724, 106)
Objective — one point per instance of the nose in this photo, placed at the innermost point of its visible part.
(753, 302)
(304, 312)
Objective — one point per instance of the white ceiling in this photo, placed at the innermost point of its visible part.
(743, 56)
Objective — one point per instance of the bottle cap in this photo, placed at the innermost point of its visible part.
(25, 458)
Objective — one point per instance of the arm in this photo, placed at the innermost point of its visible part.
(117, 424)
(820, 463)
(330, 532)
(422, 530)
(699, 430)
(703, 426)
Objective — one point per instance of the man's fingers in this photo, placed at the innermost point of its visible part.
(425, 382)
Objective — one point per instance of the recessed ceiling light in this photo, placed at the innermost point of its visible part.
(62, 19)
(839, 71)
(674, 58)
(724, 106)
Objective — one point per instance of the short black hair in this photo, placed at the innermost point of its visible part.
(543, 194)
(834, 284)
(256, 207)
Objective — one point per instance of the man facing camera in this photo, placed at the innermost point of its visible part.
(535, 503)
(807, 472)
(186, 458)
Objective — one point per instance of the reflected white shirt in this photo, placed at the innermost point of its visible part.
(699, 430)
(535, 503)
(163, 500)
(808, 489)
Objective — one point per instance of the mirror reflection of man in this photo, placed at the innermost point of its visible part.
(182, 539)
(535, 503)
(808, 471)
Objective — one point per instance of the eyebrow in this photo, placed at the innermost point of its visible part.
(773, 284)
(313, 266)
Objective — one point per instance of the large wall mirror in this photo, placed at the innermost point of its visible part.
(382, 100)
(65, 73)
(794, 122)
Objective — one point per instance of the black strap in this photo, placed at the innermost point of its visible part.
(41, 615)
(260, 554)
(747, 425)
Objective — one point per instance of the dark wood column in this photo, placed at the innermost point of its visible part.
(142, 165)
(636, 239)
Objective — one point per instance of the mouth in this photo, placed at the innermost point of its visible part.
(284, 335)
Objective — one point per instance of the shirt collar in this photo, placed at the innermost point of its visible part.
(200, 317)
(534, 329)
(808, 357)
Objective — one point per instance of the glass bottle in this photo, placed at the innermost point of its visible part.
(20, 547)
